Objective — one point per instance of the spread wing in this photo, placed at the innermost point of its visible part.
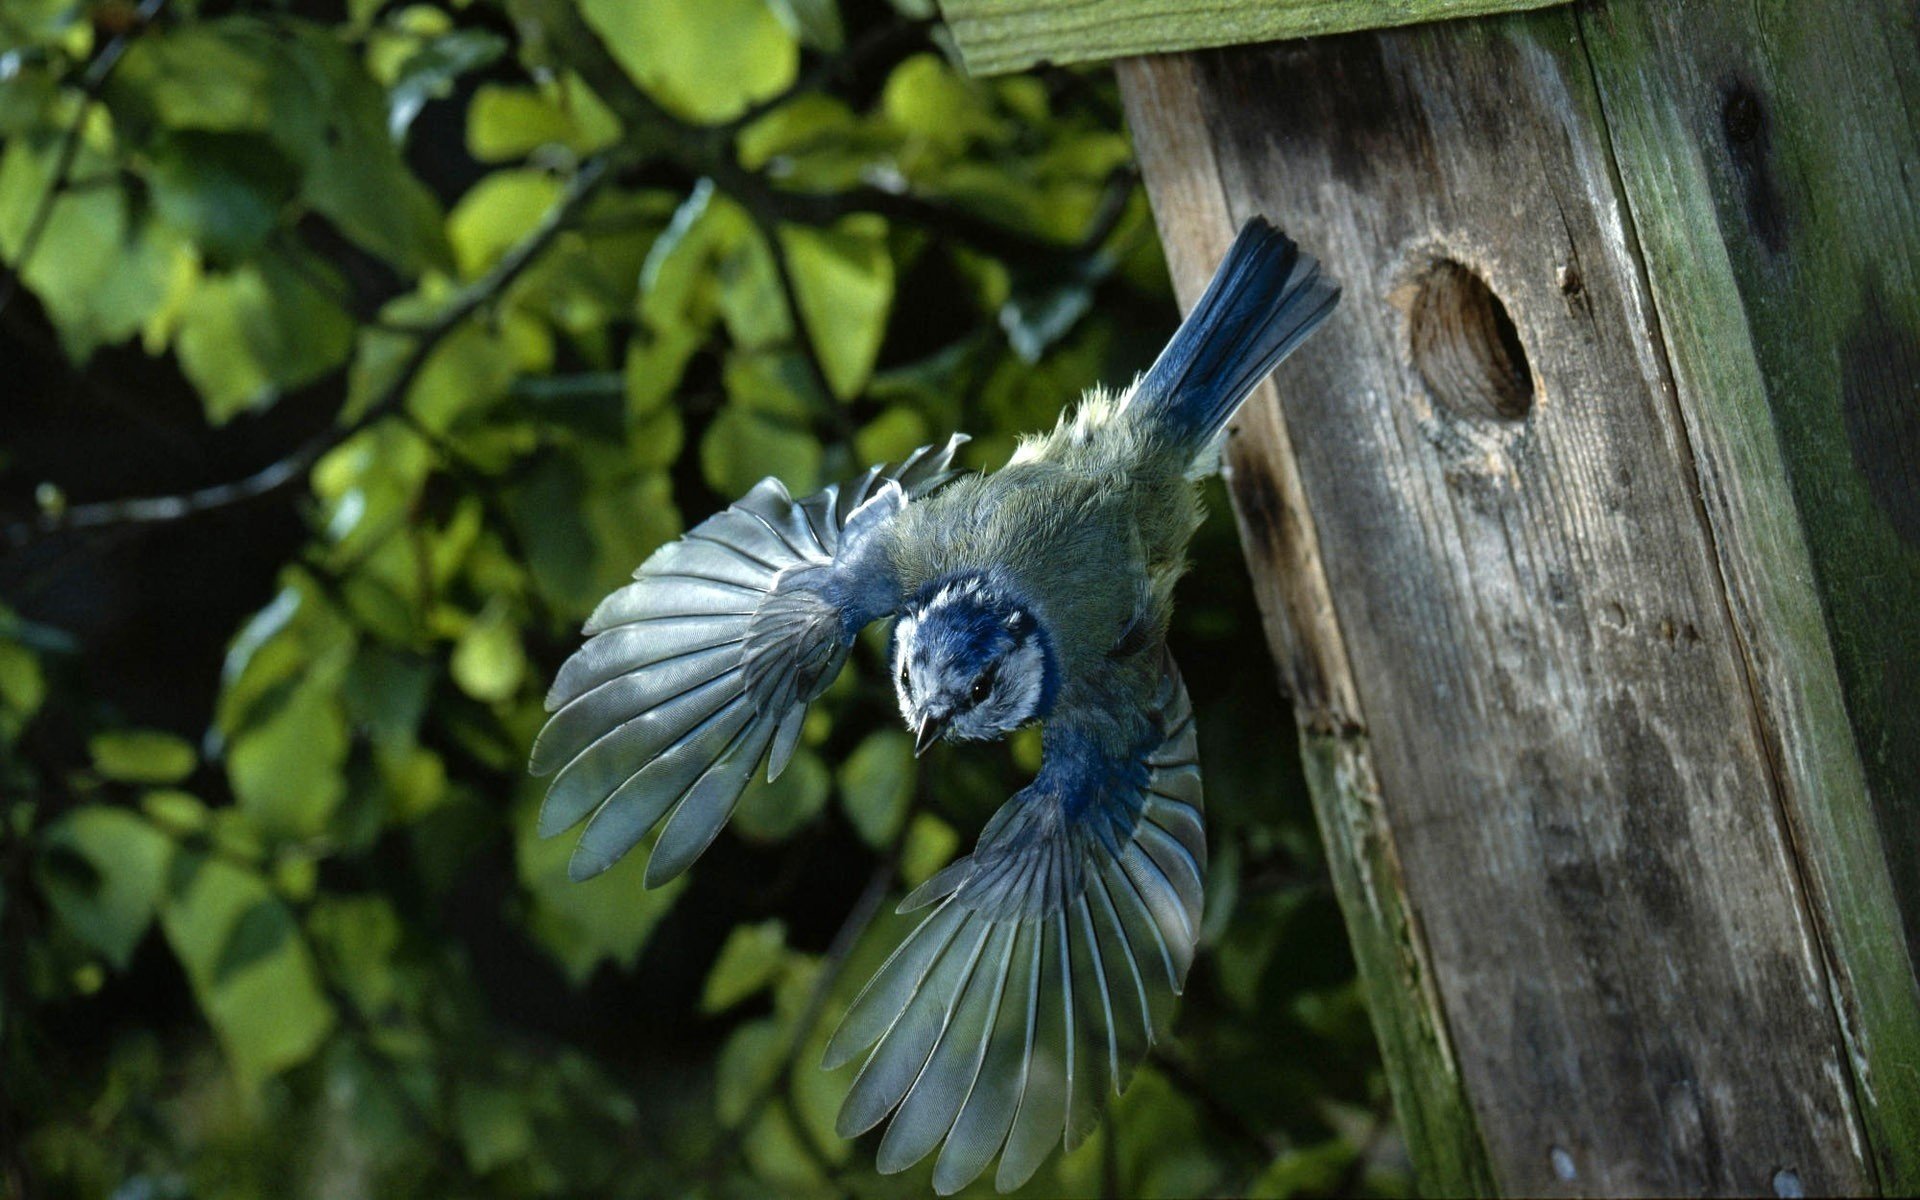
(704, 664)
(1048, 968)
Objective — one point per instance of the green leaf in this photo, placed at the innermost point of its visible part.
(269, 1013)
(876, 785)
(79, 245)
(357, 178)
(506, 123)
(497, 213)
(103, 871)
(705, 60)
(1304, 1171)
(246, 335)
(258, 934)
(742, 447)
(776, 811)
(288, 770)
(429, 74)
(226, 191)
(749, 1063)
(778, 1155)
(750, 959)
(930, 846)
(891, 436)
(22, 688)
(815, 22)
(844, 280)
(357, 937)
(488, 662)
(606, 919)
(495, 1125)
(142, 756)
(932, 103)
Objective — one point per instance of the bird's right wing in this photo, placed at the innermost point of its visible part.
(704, 665)
(1047, 970)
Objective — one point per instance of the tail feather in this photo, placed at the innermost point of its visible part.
(1265, 298)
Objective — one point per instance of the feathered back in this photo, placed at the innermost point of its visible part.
(1265, 298)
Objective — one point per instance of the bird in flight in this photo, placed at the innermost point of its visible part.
(1051, 957)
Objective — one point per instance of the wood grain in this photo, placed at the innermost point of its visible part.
(1567, 754)
(1278, 528)
(1781, 284)
(996, 36)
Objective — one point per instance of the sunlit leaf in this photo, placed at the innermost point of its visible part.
(750, 959)
(931, 844)
(815, 22)
(876, 785)
(430, 72)
(247, 334)
(496, 213)
(269, 1013)
(287, 771)
(488, 662)
(142, 756)
(844, 277)
(706, 60)
(742, 447)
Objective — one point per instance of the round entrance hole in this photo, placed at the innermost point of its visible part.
(1465, 345)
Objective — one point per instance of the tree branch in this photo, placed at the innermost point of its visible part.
(98, 72)
(152, 510)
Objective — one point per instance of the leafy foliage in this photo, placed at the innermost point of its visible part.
(503, 293)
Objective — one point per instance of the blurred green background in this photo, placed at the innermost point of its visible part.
(416, 326)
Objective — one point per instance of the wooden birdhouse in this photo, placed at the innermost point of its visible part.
(1587, 534)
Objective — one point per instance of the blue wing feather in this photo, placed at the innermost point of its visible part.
(702, 667)
(1047, 967)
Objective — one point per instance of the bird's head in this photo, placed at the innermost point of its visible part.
(971, 663)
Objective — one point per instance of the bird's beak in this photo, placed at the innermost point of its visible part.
(929, 732)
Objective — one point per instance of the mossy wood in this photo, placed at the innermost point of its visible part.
(1012, 35)
(1588, 537)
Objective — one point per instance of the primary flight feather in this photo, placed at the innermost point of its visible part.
(1050, 958)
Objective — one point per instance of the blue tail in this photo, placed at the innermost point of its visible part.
(1265, 298)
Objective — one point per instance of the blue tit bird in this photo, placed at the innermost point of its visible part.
(1050, 958)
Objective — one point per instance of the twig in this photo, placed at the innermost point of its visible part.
(91, 83)
(294, 466)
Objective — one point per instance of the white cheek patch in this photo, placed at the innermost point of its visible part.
(1022, 677)
(903, 636)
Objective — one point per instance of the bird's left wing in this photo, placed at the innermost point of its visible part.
(704, 664)
(1048, 968)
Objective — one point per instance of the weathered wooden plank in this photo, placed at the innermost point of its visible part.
(1574, 773)
(1787, 288)
(996, 36)
(1162, 99)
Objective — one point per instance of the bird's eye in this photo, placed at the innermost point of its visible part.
(903, 675)
(982, 688)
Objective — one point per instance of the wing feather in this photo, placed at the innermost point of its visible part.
(1075, 919)
(702, 667)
